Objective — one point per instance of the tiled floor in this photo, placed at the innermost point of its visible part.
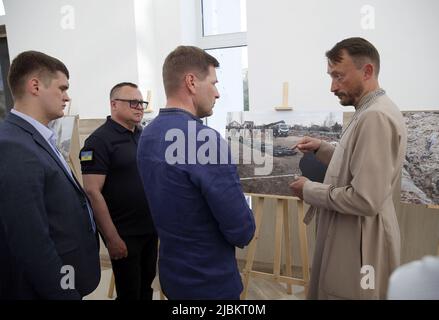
(259, 289)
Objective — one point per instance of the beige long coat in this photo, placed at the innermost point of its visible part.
(357, 224)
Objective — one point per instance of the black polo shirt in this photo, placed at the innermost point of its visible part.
(111, 150)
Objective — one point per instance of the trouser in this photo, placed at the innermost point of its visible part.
(134, 274)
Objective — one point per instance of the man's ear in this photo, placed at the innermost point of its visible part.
(368, 71)
(33, 86)
(189, 80)
(113, 105)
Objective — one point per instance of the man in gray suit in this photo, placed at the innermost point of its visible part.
(48, 242)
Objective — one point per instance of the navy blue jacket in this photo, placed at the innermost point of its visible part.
(198, 208)
(44, 220)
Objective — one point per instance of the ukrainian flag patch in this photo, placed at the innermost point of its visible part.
(86, 155)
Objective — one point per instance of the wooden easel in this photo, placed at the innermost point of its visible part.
(148, 99)
(284, 106)
(432, 206)
(73, 160)
(282, 226)
(111, 286)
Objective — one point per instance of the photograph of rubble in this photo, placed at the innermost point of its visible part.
(262, 146)
(63, 128)
(147, 119)
(420, 173)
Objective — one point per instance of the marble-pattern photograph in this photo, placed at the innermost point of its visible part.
(420, 173)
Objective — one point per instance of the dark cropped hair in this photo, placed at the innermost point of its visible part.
(116, 88)
(33, 62)
(359, 49)
(182, 60)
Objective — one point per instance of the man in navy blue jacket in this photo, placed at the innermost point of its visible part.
(193, 189)
(48, 242)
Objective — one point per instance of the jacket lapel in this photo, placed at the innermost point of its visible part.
(38, 138)
(43, 144)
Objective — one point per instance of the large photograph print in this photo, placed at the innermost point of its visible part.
(2, 98)
(420, 174)
(63, 128)
(66, 130)
(262, 144)
(420, 171)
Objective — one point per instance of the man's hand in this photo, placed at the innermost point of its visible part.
(297, 187)
(308, 144)
(117, 248)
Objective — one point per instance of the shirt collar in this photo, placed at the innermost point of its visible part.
(370, 97)
(120, 128)
(169, 110)
(47, 133)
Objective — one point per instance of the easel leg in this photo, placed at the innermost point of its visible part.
(278, 239)
(287, 240)
(258, 210)
(111, 287)
(303, 244)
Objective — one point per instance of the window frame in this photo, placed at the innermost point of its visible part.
(218, 41)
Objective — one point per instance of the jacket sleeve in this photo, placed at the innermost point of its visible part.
(372, 165)
(25, 222)
(222, 190)
(324, 154)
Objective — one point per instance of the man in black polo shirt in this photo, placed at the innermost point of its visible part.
(113, 184)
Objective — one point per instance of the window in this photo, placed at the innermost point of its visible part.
(224, 16)
(222, 33)
(2, 8)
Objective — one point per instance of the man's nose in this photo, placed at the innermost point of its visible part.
(334, 86)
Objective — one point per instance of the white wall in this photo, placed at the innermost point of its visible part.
(230, 86)
(287, 41)
(112, 41)
(175, 25)
(145, 42)
(161, 26)
(99, 51)
(128, 40)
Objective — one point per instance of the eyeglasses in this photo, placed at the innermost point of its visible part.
(135, 104)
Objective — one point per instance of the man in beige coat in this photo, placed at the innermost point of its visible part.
(358, 240)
